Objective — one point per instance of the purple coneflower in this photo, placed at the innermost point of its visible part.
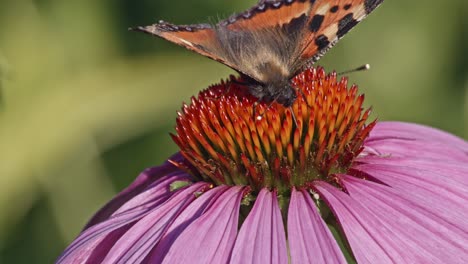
(324, 188)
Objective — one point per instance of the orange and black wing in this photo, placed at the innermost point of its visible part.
(273, 39)
(329, 21)
(200, 38)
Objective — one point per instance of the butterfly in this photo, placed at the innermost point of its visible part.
(271, 42)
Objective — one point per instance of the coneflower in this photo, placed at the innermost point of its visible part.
(314, 183)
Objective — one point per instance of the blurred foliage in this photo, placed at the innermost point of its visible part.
(86, 105)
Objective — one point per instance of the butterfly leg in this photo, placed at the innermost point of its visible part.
(303, 96)
(259, 117)
(254, 112)
(293, 116)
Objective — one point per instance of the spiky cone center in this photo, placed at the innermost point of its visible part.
(223, 137)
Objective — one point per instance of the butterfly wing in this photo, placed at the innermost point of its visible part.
(254, 43)
(292, 34)
(273, 40)
(329, 21)
(200, 38)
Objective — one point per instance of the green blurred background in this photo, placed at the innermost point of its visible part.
(86, 105)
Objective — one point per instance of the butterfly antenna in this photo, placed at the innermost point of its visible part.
(259, 117)
(293, 116)
(364, 67)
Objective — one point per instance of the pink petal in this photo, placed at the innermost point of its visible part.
(98, 254)
(190, 214)
(310, 240)
(445, 195)
(401, 130)
(262, 238)
(143, 180)
(452, 170)
(425, 210)
(93, 237)
(380, 224)
(210, 238)
(402, 148)
(139, 240)
(365, 232)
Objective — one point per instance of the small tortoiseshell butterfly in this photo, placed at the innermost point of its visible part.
(271, 42)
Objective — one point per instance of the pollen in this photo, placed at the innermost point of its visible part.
(229, 137)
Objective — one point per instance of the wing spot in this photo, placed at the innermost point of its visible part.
(334, 9)
(261, 7)
(277, 4)
(186, 42)
(322, 42)
(247, 15)
(316, 23)
(296, 24)
(345, 24)
(347, 7)
(370, 5)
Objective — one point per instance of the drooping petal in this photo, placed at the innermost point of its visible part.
(262, 238)
(401, 130)
(444, 194)
(210, 238)
(310, 240)
(94, 237)
(365, 232)
(139, 240)
(410, 148)
(190, 214)
(397, 228)
(101, 250)
(452, 170)
(445, 233)
(146, 178)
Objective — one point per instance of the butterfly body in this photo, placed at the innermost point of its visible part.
(281, 91)
(271, 42)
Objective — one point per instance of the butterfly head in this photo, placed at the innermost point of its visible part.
(280, 92)
(283, 93)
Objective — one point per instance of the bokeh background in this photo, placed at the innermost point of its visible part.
(86, 105)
